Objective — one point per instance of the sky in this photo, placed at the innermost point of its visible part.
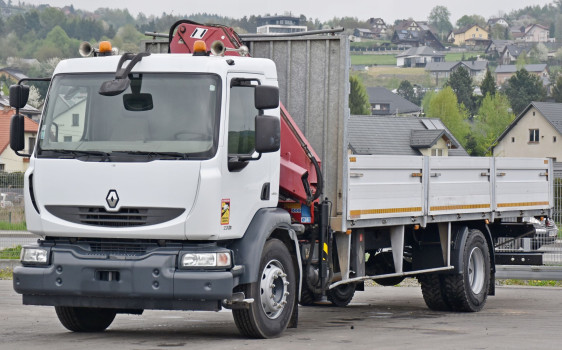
(388, 10)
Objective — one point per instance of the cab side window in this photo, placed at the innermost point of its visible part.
(242, 111)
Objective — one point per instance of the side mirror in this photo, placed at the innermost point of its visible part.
(266, 97)
(268, 134)
(17, 139)
(19, 94)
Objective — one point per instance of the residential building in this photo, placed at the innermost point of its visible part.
(504, 72)
(471, 35)
(416, 33)
(536, 132)
(385, 135)
(497, 21)
(496, 47)
(419, 57)
(517, 33)
(536, 33)
(363, 33)
(378, 26)
(9, 160)
(440, 71)
(10, 75)
(280, 25)
(377, 23)
(510, 53)
(29, 111)
(385, 102)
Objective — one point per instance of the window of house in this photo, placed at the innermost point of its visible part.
(437, 152)
(68, 139)
(1, 167)
(513, 139)
(533, 135)
(75, 119)
(31, 144)
(553, 138)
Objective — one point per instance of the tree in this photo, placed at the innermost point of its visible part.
(521, 60)
(488, 86)
(470, 20)
(51, 17)
(407, 91)
(128, 39)
(439, 18)
(493, 118)
(523, 88)
(557, 90)
(539, 53)
(444, 105)
(358, 99)
(461, 83)
(498, 32)
(35, 99)
(558, 27)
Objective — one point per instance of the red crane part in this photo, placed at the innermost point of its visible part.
(184, 34)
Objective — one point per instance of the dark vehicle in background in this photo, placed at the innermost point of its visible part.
(546, 232)
(537, 233)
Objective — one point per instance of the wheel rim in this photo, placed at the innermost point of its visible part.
(476, 271)
(273, 289)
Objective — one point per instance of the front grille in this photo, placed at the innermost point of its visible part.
(125, 217)
(120, 248)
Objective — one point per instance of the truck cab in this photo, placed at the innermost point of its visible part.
(144, 181)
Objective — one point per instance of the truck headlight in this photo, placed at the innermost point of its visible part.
(37, 256)
(222, 259)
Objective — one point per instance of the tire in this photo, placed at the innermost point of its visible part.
(341, 295)
(307, 297)
(433, 291)
(380, 264)
(274, 294)
(85, 319)
(468, 291)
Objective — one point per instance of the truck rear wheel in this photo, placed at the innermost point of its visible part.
(468, 290)
(433, 291)
(341, 295)
(307, 297)
(85, 319)
(274, 294)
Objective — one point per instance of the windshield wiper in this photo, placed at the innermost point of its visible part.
(155, 155)
(67, 153)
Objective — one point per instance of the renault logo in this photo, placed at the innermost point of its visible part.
(112, 198)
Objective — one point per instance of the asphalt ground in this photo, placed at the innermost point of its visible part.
(379, 318)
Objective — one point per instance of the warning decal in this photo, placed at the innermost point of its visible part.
(225, 211)
(199, 33)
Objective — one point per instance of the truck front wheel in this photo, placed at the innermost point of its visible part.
(274, 294)
(85, 319)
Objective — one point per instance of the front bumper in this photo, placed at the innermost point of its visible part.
(151, 281)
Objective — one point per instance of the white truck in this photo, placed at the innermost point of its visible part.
(158, 182)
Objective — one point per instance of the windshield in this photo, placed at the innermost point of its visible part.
(168, 115)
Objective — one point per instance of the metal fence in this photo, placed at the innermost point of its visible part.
(12, 218)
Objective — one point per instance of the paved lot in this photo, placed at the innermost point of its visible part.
(379, 318)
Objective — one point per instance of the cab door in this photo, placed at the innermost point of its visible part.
(250, 181)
